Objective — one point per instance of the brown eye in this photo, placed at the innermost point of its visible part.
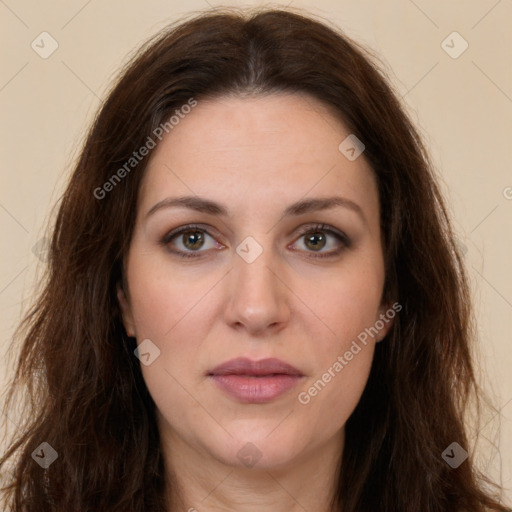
(187, 241)
(317, 237)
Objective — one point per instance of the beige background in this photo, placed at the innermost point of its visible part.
(463, 106)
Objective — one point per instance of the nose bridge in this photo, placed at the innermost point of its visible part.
(258, 296)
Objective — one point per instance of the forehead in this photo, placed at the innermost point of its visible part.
(258, 150)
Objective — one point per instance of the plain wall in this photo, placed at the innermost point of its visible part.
(462, 105)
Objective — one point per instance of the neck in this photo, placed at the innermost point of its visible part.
(201, 483)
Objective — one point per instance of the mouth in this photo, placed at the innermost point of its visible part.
(249, 381)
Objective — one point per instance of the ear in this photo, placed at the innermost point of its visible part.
(126, 312)
(384, 322)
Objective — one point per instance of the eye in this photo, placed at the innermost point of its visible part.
(317, 237)
(187, 241)
(191, 238)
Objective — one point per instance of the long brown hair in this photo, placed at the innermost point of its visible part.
(88, 400)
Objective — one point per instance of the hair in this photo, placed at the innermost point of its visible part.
(88, 399)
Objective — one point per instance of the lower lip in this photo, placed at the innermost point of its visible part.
(256, 390)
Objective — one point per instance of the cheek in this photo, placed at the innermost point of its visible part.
(344, 344)
(174, 320)
(174, 313)
(344, 307)
(172, 316)
(165, 302)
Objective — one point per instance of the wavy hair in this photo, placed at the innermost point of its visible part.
(88, 399)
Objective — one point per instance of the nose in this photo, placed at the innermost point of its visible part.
(258, 294)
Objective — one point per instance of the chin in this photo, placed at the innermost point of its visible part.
(257, 448)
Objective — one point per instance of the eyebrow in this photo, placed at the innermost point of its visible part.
(301, 207)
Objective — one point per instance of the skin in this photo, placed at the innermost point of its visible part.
(255, 156)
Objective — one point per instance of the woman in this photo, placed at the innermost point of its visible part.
(254, 298)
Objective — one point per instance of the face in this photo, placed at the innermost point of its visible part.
(268, 272)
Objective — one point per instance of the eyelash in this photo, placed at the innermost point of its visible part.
(339, 235)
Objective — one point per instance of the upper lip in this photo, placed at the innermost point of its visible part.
(245, 366)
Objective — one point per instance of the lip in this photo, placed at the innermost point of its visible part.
(250, 381)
